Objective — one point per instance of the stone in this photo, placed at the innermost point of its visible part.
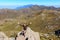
(20, 38)
(30, 34)
(3, 36)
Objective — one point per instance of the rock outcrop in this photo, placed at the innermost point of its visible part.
(3, 36)
(28, 35)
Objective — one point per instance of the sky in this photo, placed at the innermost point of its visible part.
(11, 4)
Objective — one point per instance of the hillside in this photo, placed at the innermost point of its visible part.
(44, 19)
(25, 10)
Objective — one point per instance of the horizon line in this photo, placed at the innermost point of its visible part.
(15, 6)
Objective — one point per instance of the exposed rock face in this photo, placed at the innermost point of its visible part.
(28, 35)
(3, 36)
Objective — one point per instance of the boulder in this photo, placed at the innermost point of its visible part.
(3, 36)
(29, 35)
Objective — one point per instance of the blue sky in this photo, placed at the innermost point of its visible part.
(15, 3)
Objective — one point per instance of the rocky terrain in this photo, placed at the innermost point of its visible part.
(45, 20)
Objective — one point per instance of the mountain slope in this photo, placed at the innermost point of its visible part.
(25, 10)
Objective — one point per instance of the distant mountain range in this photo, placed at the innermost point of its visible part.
(25, 6)
(40, 7)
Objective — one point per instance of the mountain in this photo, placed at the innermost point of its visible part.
(25, 6)
(31, 9)
(36, 6)
(26, 9)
